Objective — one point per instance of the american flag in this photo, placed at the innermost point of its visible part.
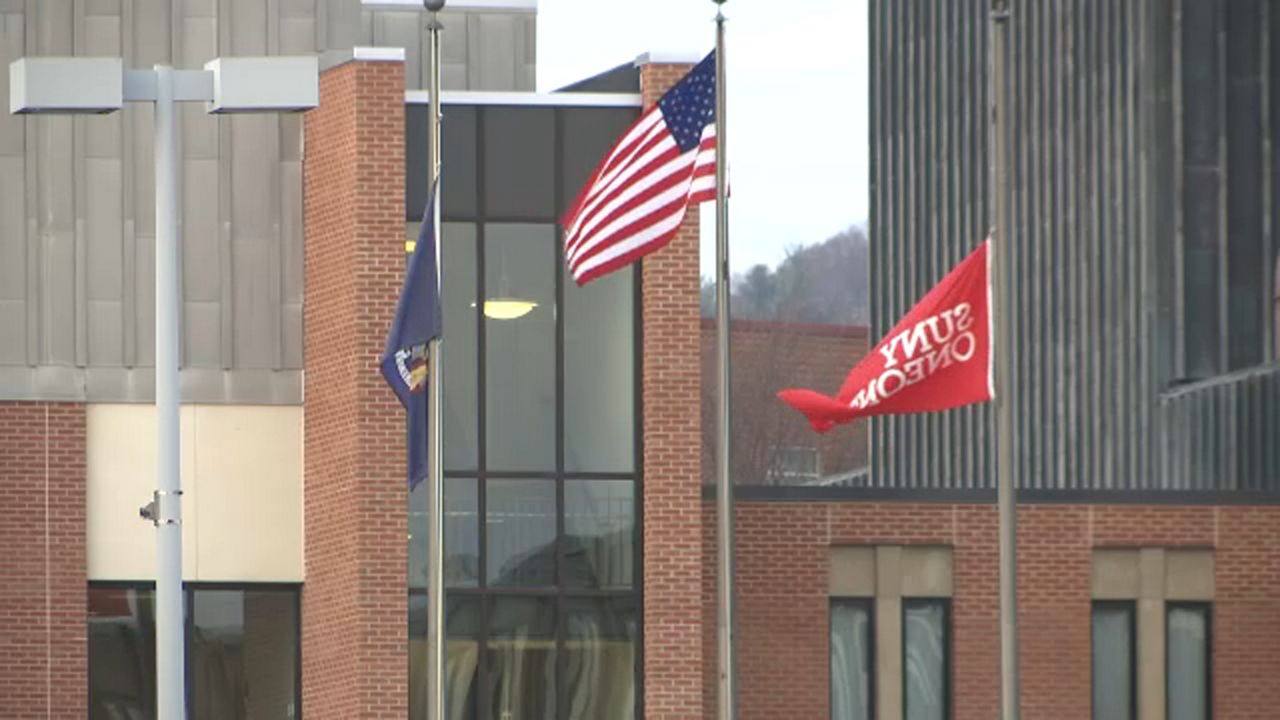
(635, 200)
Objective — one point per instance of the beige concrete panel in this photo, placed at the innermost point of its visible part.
(889, 571)
(248, 27)
(491, 51)
(1188, 575)
(199, 129)
(1115, 574)
(103, 228)
(200, 270)
(888, 649)
(851, 572)
(13, 229)
(1151, 659)
(12, 137)
(202, 322)
(152, 29)
(106, 333)
(249, 469)
(102, 7)
(120, 459)
(297, 35)
(1151, 573)
(926, 572)
(144, 301)
(200, 8)
(53, 22)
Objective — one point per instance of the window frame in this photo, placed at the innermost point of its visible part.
(189, 588)
(948, 665)
(868, 605)
(562, 594)
(1206, 607)
(1131, 607)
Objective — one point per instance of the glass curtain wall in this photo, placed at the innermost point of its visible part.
(238, 638)
(541, 435)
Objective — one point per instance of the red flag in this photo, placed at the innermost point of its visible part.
(935, 358)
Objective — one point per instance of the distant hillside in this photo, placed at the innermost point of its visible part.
(821, 283)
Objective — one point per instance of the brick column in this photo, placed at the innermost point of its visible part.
(354, 615)
(43, 583)
(673, 608)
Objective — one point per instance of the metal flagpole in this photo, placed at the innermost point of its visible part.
(1005, 488)
(171, 694)
(435, 458)
(724, 483)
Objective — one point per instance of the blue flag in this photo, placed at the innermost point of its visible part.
(417, 323)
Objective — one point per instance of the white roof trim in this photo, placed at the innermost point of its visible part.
(668, 58)
(378, 54)
(559, 99)
(517, 5)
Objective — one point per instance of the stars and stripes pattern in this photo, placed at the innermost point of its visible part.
(634, 202)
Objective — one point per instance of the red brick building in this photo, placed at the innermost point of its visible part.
(580, 549)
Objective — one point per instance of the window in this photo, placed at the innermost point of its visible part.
(1114, 666)
(1230, 165)
(791, 465)
(852, 660)
(1187, 664)
(926, 659)
(238, 637)
(541, 445)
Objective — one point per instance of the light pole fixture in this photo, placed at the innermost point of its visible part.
(98, 85)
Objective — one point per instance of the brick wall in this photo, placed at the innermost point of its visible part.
(354, 628)
(767, 356)
(43, 582)
(783, 601)
(673, 624)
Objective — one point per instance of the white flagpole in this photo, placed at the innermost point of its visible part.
(435, 456)
(724, 483)
(1006, 491)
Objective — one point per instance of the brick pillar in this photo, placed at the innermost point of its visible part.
(43, 583)
(1246, 613)
(354, 615)
(673, 612)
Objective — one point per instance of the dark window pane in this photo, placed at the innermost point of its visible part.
(1113, 661)
(520, 518)
(851, 660)
(520, 339)
(458, 161)
(599, 367)
(600, 659)
(461, 534)
(1188, 662)
(924, 659)
(519, 162)
(460, 365)
(599, 526)
(462, 656)
(122, 653)
(589, 134)
(522, 663)
(242, 638)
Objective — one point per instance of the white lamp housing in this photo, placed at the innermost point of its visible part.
(92, 85)
(264, 84)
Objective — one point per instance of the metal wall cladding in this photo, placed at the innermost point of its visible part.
(77, 210)
(1101, 320)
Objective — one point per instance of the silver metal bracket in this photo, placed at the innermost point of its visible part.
(165, 508)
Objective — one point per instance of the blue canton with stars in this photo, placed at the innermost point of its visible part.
(690, 106)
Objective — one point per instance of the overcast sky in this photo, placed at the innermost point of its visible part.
(798, 135)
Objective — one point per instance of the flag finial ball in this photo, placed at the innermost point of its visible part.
(433, 5)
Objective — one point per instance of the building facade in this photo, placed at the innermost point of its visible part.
(580, 566)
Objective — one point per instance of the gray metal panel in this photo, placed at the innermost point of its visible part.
(76, 196)
(1093, 248)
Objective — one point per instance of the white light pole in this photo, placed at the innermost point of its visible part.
(65, 85)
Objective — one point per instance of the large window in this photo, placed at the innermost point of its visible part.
(238, 638)
(852, 660)
(1114, 660)
(1230, 184)
(926, 653)
(541, 439)
(1187, 669)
